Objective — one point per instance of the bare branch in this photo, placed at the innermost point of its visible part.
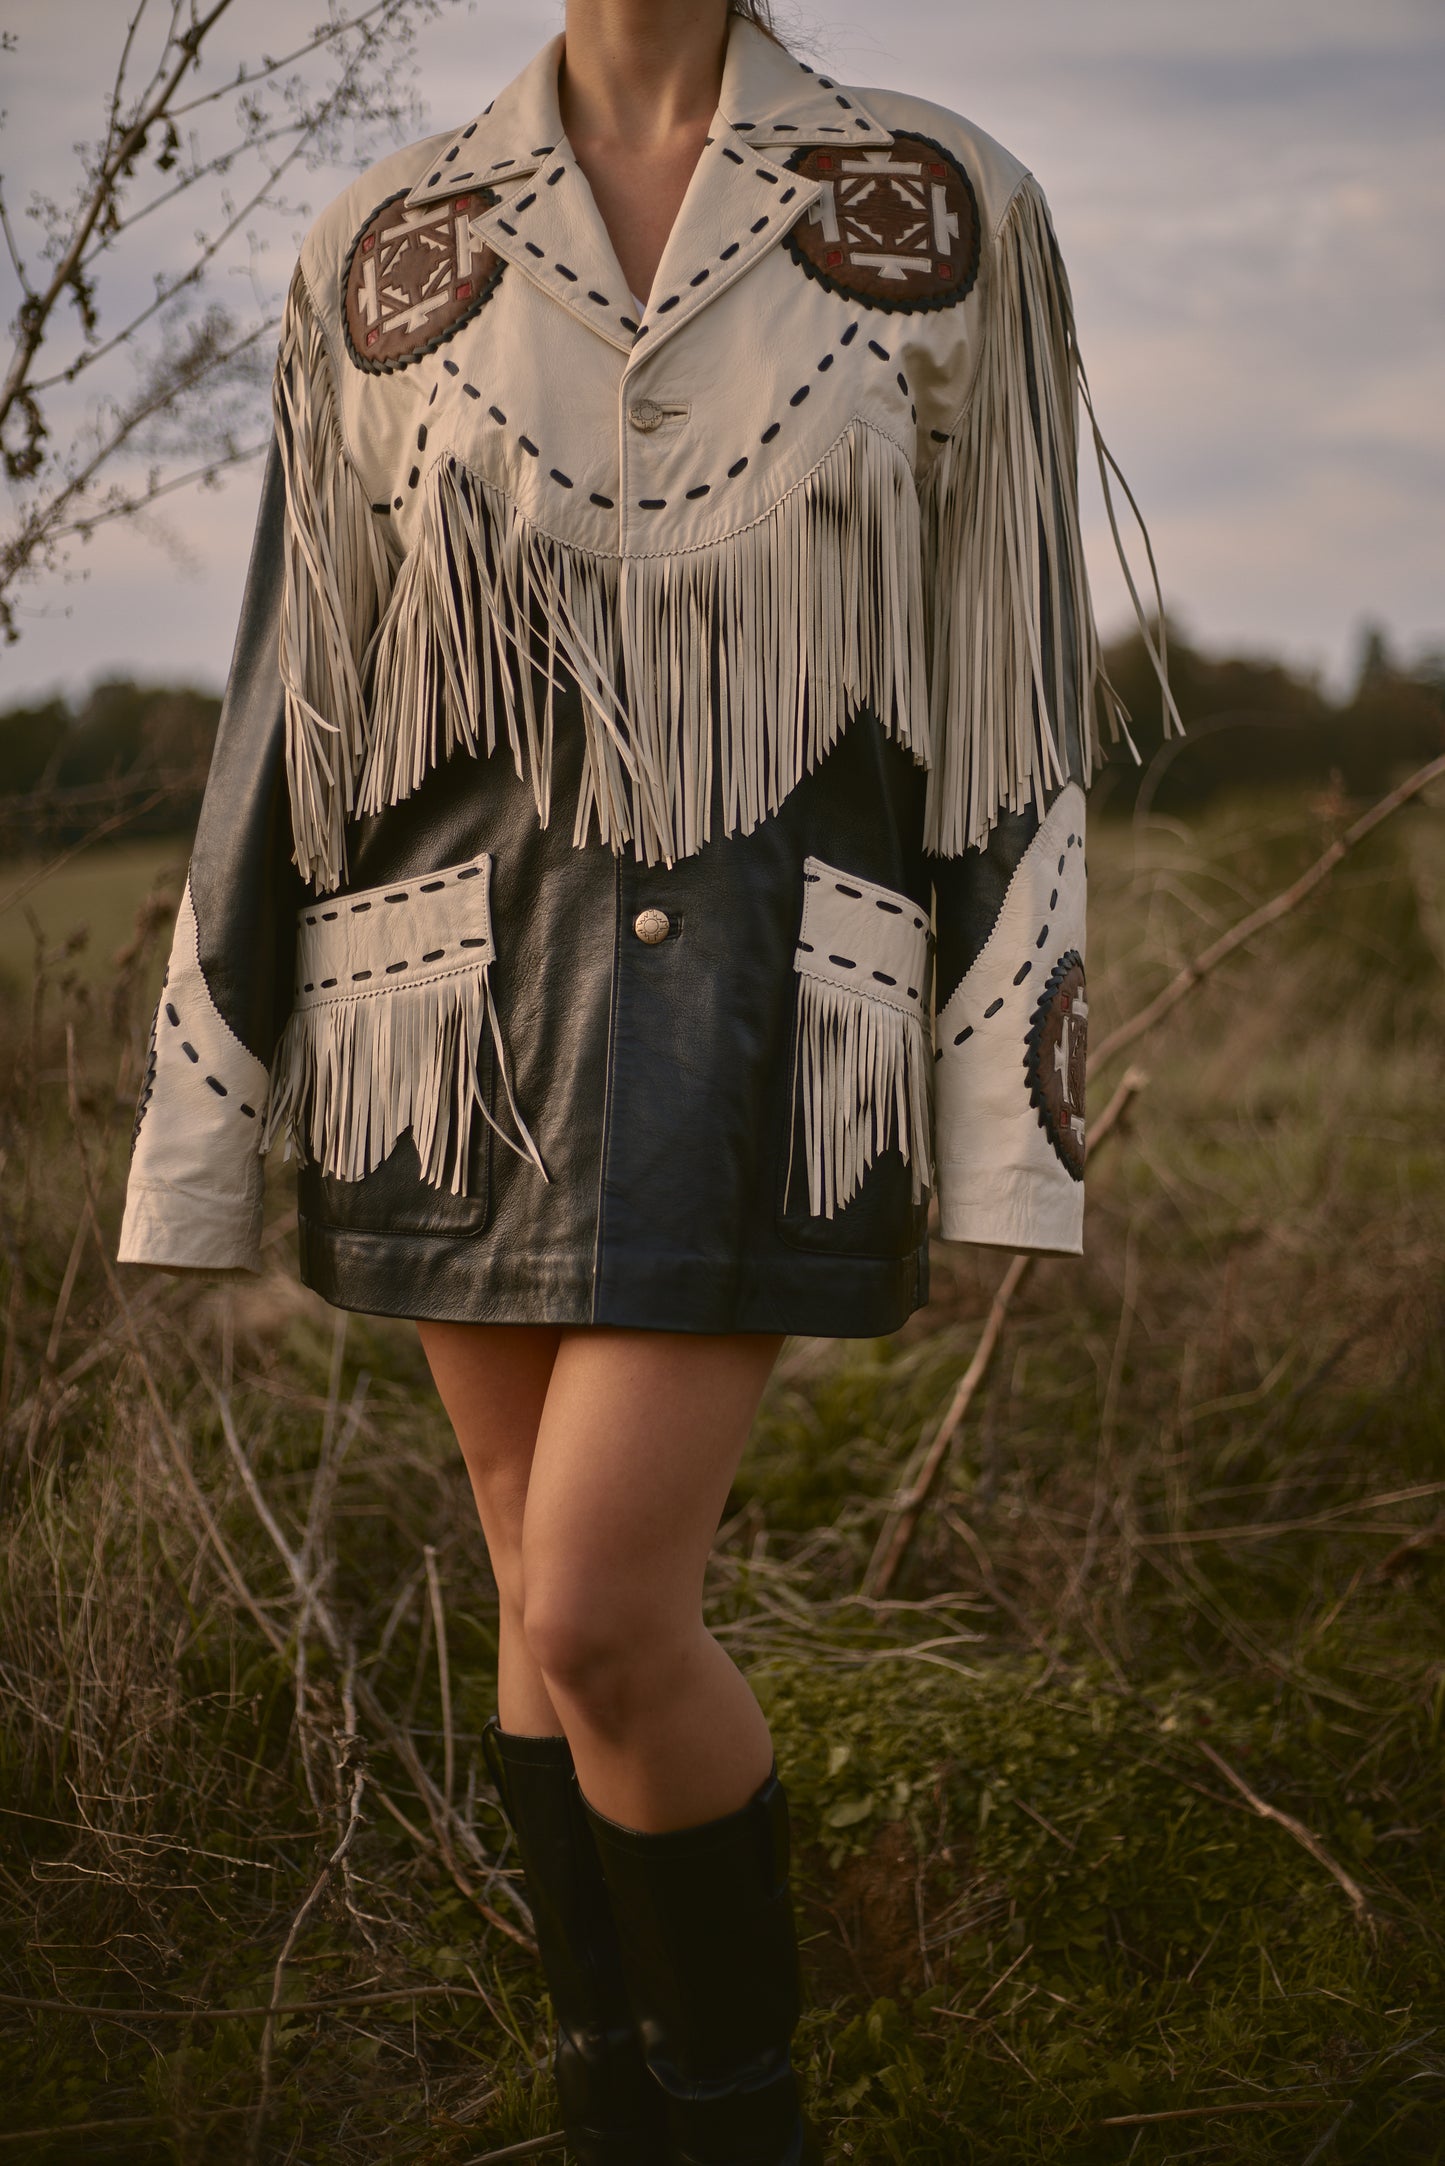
(40, 530)
(17, 262)
(35, 317)
(191, 276)
(189, 418)
(117, 93)
(129, 507)
(1194, 973)
(1358, 1900)
(901, 1525)
(249, 82)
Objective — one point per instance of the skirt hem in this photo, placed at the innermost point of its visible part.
(439, 1280)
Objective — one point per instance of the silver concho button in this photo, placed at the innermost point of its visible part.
(652, 927)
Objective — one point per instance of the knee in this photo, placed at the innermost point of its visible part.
(597, 1644)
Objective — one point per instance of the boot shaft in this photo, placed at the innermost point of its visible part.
(709, 1949)
(612, 2110)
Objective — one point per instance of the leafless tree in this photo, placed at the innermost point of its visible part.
(129, 376)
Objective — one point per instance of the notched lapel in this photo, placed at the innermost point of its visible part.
(739, 202)
(551, 228)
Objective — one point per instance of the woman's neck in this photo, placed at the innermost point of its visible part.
(644, 74)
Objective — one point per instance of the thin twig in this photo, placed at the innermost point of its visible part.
(1214, 2113)
(974, 2014)
(328, 2005)
(533, 2148)
(430, 1849)
(989, 1581)
(104, 2128)
(1194, 973)
(444, 1674)
(1302, 1835)
(353, 1758)
(896, 1536)
(1326, 2141)
(33, 880)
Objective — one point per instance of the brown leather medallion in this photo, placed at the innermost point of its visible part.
(1054, 1059)
(894, 229)
(415, 277)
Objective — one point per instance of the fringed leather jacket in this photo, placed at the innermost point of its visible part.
(644, 851)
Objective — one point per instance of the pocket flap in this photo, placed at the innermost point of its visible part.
(867, 939)
(393, 995)
(406, 933)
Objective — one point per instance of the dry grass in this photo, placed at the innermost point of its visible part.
(1079, 1806)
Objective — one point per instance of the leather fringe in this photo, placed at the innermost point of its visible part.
(743, 659)
(1004, 559)
(338, 583)
(731, 668)
(352, 1075)
(862, 1076)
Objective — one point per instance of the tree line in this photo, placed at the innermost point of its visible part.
(133, 757)
(1252, 721)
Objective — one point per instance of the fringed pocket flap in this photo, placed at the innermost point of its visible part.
(392, 996)
(411, 932)
(863, 937)
(862, 1075)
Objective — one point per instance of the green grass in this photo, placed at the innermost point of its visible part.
(88, 906)
(1186, 1559)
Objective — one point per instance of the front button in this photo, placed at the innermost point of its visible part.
(652, 927)
(647, 414)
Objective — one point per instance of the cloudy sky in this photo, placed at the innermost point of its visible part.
(1250, 193)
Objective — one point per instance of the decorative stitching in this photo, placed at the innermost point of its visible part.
(172, 1015)
(1074, 841)
(855, 889)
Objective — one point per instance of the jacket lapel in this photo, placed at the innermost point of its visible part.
(739, 202)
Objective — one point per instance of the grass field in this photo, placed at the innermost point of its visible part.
(1119, 1818)
(98, 894)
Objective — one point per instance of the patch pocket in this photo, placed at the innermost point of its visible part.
(862, 1073)
(388, 1034)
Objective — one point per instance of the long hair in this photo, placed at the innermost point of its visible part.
(759, 12)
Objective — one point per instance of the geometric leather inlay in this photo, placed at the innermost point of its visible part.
(896, 229)
(415, 277)
(1055, 1056)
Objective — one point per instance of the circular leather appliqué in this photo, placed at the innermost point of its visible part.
(415, 277)
(1056, 1051)
(895, 229)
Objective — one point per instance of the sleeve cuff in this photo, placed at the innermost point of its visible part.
(1017, 1208)
(183, 1229)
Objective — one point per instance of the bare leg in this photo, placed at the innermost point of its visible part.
(493, 1381)
(640, 1437)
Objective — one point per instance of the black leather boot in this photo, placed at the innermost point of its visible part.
(612, 2111)
(711, 1956)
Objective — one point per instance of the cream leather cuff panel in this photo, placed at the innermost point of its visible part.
(195, 1192)
(1010, 1076)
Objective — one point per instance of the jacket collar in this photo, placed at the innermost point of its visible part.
(738, 202)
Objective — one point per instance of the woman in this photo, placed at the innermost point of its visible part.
(666, 680)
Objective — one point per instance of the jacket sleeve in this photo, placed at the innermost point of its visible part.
(1016, 688)
(194, 1195)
